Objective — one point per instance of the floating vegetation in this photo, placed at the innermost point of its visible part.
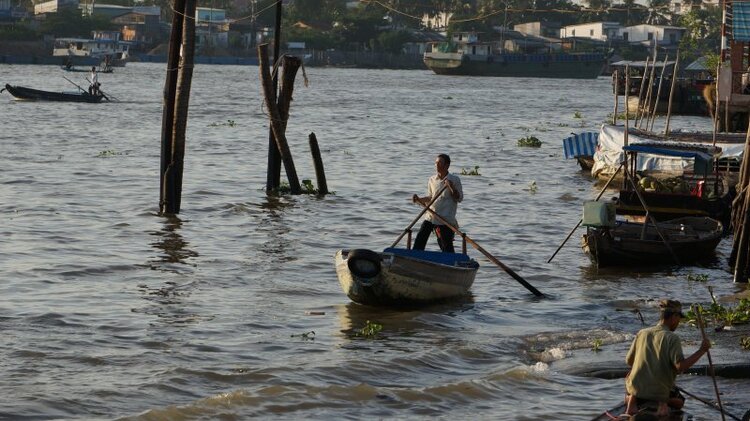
(563, 125)
(697, 278)
(306, 186)
(229, 123)
(467, 171)
(532, 187)
(596, 345)
(530, 142)
(577, 114)
(722, 315)
(620, 116)
(108, 153)
(745, 342)
(370, 330)
(310, 336)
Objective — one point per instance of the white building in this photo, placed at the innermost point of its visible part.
(663, 35)
(53, 6)
(602, 31)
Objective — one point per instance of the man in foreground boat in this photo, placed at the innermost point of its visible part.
(445, 206)
(656, 358)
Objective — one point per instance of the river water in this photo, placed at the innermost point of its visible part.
(109, 311)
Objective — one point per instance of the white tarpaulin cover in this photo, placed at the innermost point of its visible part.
(609, 153)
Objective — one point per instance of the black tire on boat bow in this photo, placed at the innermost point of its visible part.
(363, 263)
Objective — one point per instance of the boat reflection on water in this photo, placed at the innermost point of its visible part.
(353, 317)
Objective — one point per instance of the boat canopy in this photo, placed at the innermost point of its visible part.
(703, 156)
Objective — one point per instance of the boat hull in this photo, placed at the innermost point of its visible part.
(564, 66)
(407, 277)
(690, 238)
(29, 94)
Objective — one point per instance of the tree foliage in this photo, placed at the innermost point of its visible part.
(70, 23)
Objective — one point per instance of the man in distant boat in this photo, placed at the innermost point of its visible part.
(451, 193)
(94, 87)
(656, 358)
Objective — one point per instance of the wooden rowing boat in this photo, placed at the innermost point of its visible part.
(647, 414)
(30, 94)
(398, 276)
(627, 243)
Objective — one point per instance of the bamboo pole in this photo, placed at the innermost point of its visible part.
(641, 92)
(276, 122)
(671, 93)
(617, 86)
(320, 173)
(649, 93)
(166, 190)
(580, 221)
(658, 94)
(726, 117)
(716, 104)
(273, 172)
(710, 362)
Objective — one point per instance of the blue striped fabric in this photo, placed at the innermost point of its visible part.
(741, 21)
(581, 144)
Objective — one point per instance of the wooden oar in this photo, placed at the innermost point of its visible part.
(75, 84)
(492, 258)
(699, 319)
(434, 198)
(580, 221)
(708, 403)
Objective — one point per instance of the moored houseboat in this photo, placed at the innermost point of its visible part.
(516, 55)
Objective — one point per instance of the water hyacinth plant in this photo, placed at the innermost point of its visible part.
(467, 171)
(530, 142)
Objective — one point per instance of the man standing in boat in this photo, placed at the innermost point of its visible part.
(94, 87)
(656, 358)
(448, 186)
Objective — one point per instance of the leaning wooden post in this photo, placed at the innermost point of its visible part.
(320, 173)
(671, 93)
(167, 191)
(658, 94)
(617, 86)
(290, 66)
(273, 172)
(276, 121)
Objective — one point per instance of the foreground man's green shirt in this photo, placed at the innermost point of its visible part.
(653, 355)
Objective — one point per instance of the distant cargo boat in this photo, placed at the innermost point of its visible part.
(519, 57)
(105, 49)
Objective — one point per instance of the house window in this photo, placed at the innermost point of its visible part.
(650, 36)
(574, 32)
(625, 36)
(474, 50)
(672, 38)
(591, 32)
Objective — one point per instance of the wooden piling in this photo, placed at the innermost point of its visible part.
(273, 172)
(290, 66)
(320, 173)
(739, 258)
(277, 126)
(167, 192)
(182, 101)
